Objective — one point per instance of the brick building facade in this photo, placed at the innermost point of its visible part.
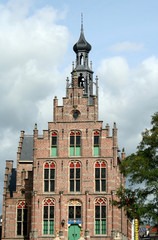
(66, 178)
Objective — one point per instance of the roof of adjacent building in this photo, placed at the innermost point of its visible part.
(27, 148)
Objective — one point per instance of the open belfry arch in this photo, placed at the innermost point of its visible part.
(66, 178)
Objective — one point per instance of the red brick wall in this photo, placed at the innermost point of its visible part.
(33, 183)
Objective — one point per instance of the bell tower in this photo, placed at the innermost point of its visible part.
(81, 68)
(81, 101)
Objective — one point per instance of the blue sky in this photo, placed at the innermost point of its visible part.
(36, 41)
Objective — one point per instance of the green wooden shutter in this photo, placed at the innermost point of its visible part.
(103, 226)
(51, 227)
(78, 151)
(97, 226)
(72, 151)
(96, 150)
(54, 151)
(45, 227)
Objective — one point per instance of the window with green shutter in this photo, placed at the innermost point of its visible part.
(96, 150)
(75, 143)
(48, 216)
(100, 216)
(54, 144)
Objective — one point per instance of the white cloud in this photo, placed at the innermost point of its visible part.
(131, 101)
(126, 47)
(32, 47)
(114, 73)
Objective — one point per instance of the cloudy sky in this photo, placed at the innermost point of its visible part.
(36, 40)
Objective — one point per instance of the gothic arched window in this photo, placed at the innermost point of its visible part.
(75, 176)
(75, 143)
(22, 218)
(100, 176)
(49, 177)
(100, 216)
(48, 216)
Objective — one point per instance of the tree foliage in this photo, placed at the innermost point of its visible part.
(140, 199)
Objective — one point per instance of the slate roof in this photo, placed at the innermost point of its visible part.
(27, 148)
(82, 44)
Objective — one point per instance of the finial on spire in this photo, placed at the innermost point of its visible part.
(81, 22)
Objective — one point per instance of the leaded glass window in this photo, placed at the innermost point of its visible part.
(54, 144)
(49, 177)
(96, 150)
(22, 218)
(100, 216)
(74, 210)
(75, 175)
(75, 143)
(100, 176)
(48, 216)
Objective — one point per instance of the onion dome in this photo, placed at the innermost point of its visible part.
(82, 44)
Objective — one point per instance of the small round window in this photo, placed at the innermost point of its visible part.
(76, 114)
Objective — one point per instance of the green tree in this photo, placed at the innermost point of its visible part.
(140, 199)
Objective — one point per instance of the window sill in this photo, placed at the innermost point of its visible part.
(49, 192)
(75, 156)
(100, 236)
(72, 193)
(48, 236)
(22, 236)
(100, 192)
